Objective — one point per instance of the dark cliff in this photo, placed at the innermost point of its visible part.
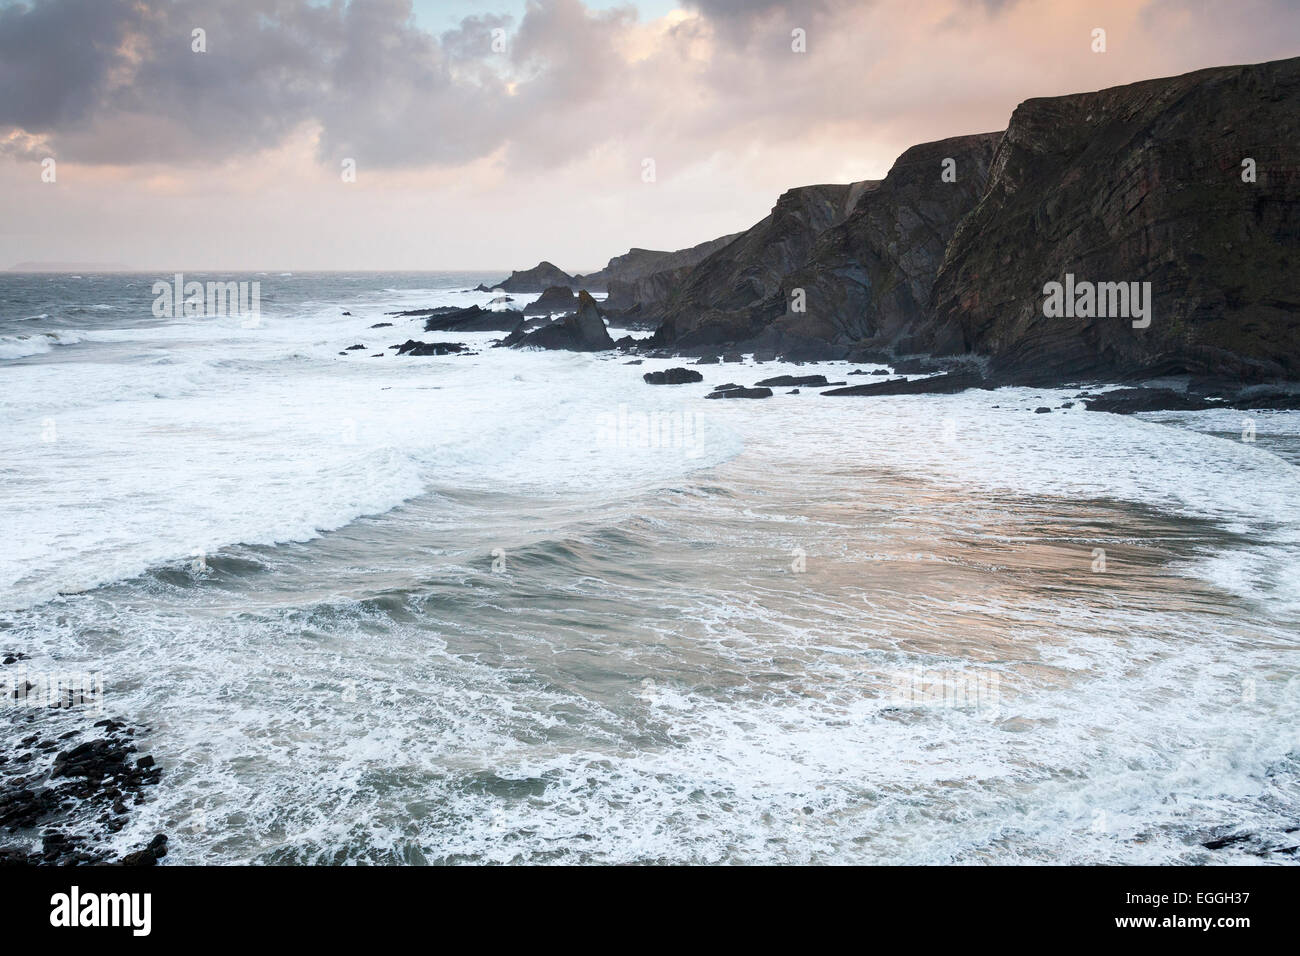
(1135, 184)
(644, 275)
(721, 300)
(1139, 183)
(863, 257)
(869, 279)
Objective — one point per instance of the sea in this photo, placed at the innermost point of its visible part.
(520, 607)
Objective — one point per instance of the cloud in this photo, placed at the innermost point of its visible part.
(57, 57)
(116, 81)
(244, 142)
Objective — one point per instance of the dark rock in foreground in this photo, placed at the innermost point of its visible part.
(1128, 401)
(673, 376)
(474, 319)
(558, 298)
(412, 347)
(786, 380)
(583, 331)
(741, 393)
(945, 384)
(74, 798)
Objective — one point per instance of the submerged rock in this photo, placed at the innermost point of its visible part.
(946, 384)
(74, 796)
(474, 319)
(412, 347)
(1128, 401)
(785, 380)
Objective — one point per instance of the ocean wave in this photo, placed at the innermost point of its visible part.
(21, 346)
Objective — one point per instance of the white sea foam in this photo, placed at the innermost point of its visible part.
(38, 343)
(230, 434)
(409, 704)
(253, 435)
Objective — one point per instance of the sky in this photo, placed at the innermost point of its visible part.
(491, 134)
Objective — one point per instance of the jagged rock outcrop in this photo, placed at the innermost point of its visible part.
(583, 331)
(558, 298)
(412, 347)
(649, 278)
(673, 376)
(869, 280)
(648, 293)
(640, 263)
(719, 300)
(631, 274)
(865, 274)
(473, 319)
(1138, 183)
(540, 277)
(1135, 184)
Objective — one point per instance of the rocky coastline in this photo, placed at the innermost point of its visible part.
(942, 267)
(69, 779)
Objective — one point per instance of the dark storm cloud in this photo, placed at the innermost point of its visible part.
(54, 59)
(117, 81)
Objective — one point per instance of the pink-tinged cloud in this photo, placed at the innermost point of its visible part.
(473, 144)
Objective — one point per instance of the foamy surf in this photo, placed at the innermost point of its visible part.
(522, 607)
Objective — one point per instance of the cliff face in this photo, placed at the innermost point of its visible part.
(1135, 185)
(868, 281)
(637, 276)
(1139, 183)
(640, 275)
(864, 256)
(721, 299)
